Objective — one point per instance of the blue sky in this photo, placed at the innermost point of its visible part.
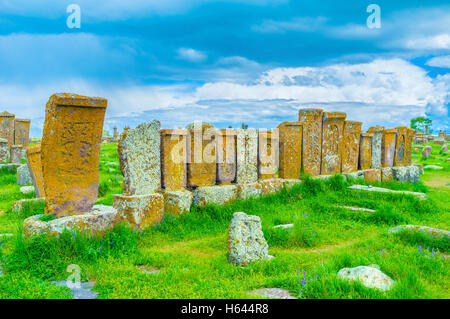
(228, 62)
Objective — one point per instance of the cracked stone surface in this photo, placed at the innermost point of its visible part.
(275, 293)
(84, 292)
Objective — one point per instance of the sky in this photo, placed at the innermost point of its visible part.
(228, 62)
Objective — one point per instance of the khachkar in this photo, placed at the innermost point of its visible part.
(350, 148)
(388, 145)
(409, 142)
(21, 132)
(16, 154)
(268, 146)
(365, 151)
(7, 127)
(3, 150)
(173, 159)
(332, 141)
(140, 161)
(70, 152)
(226, 156)
(247, 156)
(290, 150)
(401, 146)
(377, 132)
(201, 154)
(311, 120)
(35, 167)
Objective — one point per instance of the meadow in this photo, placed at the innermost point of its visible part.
(186, 256)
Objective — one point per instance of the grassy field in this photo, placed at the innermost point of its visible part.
(190, 250)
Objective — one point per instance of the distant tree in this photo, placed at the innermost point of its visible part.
(418, 124)
(244, 126)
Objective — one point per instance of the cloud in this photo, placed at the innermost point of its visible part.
(439, 61)
(191, 55)
(302, 24)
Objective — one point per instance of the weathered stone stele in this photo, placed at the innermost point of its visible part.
(268, 146)
(400, 146)
(246, 242)
(35, 167)
(173, 159)
(311, 120)
(3, 150)
(201, 154)
(247, 156)
(350, 147)
(16, 154)
(70, 152)
(365, 151)
(332, 141)
(21, 132)
(290, 150)
(23, 176)
(7, 127)
(140, 162)
(226, 156)
(409, 142)
(377, 132)
(388, 143)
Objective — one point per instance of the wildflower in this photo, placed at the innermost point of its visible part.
(420, 248)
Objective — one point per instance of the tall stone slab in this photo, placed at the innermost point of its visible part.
(70, 152)
(247, 156)
(7, 127)
(139, 153)
(377, 132)
(268, 154)
(3, 150)
(173, 159)
(311, 120)
(34, 163)
(226, 156)
(400, 158)
(16, 154)
(350, 147)
(21, 132)
(201, 166)
(332, 141)
(365, 151)
(291, 137)
(388, 145)
(410, 133)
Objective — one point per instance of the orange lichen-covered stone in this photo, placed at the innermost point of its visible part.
(388, 143)
(16, 154)
(140, 211)
(21, 132)
(386, 174)
(268, 146)
(35, 167)
(332, 141)
(400, 158)
(201, 166)
(410, 133)
(350, 147)
(290, 150)
(226, 156)
(3, 150)
(372, 175)
(311, 120)
(365, 151)
(70, 152)
(173, 159)
(7, 127)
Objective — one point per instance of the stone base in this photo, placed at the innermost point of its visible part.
(20, 206)
(289, 183)
(406, 173)
(100, 219)
(372, 175)
(140, 210)
(177, 202)
(215, 194)
(386, 174)
(259, 188)
(421, 170)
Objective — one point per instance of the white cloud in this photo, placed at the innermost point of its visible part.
(191, 55)
(303, 24)
(439, 61)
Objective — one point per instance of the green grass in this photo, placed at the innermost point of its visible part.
(190, 250)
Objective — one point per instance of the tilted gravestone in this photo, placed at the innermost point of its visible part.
(34, 163)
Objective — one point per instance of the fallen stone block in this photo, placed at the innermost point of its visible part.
(406, 174)
(140, 210)
(264, 187)
(433, 167)
(215, 194)
(177, 202)
(370, 277)
(386, 190)
(372, 175)
(100, 219)
(24, 176)
(434, 233)
(386, 174)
